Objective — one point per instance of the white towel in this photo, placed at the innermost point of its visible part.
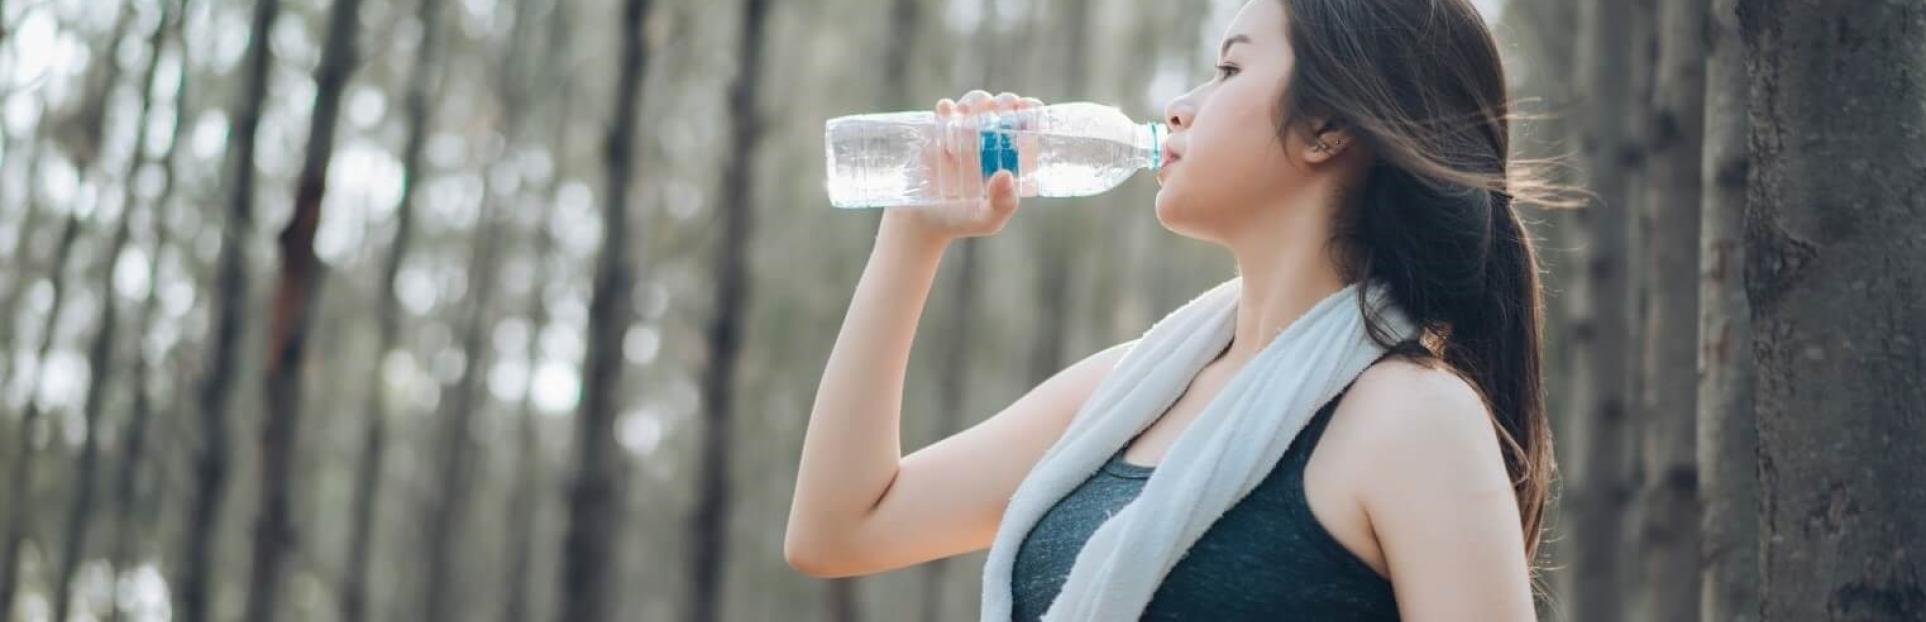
(1219, 457)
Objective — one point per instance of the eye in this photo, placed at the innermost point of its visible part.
(1225, 71)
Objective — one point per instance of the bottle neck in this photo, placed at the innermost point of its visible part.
(1150, 145)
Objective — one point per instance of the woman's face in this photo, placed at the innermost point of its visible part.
(1230, 164)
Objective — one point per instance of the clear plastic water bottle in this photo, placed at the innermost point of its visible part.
(1058, 150)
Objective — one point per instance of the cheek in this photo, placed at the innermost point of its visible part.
(1248, 141)
(1232, 162)
(1235, 138)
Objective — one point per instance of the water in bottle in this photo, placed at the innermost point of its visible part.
(1059, 150)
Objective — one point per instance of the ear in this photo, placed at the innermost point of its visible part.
(1328, 140)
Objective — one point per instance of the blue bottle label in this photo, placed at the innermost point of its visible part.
(997, 148)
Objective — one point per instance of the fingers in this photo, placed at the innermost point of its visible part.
(980, 100)
(1007, 101)
(948, 169)
(968, 181)
(958, 175)
(1003, 194)
(974, 101)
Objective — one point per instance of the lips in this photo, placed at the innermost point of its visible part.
(1170, 153)
(1170, 156)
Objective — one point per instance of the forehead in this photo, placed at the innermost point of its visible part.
(1259, 21)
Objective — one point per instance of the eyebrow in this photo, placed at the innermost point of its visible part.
(1233, 39)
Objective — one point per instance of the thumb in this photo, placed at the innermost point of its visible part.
(1003, 191)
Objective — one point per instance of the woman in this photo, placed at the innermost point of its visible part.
(1383, 163)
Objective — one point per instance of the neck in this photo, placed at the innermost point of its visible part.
(1286, 270)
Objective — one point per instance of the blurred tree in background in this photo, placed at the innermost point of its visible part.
(514, 309)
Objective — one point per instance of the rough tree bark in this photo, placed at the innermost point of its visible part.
(1728, 439)
(291, 316)
(1835, 234)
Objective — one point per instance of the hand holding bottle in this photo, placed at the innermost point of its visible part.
(968, 204)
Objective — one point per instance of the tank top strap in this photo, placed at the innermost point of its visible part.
(1301, 446)
(1300, 449)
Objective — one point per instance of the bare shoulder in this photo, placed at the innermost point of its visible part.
(1431, 479)
(1419, 426)
(1408, 405)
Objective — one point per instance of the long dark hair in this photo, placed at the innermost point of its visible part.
(1419, 83)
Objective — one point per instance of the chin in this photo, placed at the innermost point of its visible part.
(1208, 216)
(1176, 214)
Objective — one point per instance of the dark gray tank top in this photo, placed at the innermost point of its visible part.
(1266, 558)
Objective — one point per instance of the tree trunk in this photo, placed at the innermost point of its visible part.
(460, 402)
(212, 462)
(1727, 437)
(22, 519)
(292, 314)
(526, 499)
(22, 261)
(83, 137)
(1602, 475)
(423, 88)
(129, 477)
(100, 353)
(1642, 50)
(709, 524)
(1669, 518)
(84, 134)
(20, 473)
(444, 527)
(595, 493)
(1833, 243)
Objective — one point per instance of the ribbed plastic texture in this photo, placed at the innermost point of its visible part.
(1059, 150)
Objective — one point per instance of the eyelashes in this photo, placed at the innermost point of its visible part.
(1226, 71)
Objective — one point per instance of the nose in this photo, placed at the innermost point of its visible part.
(1178, 113)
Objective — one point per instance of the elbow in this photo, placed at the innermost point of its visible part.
(803, 550)
(799, 550)
(822, 547)
(814, 556)
(806, 560)
(798, 558)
